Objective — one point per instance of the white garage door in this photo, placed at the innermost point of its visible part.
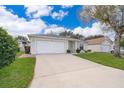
(45, 47)
(106, 48)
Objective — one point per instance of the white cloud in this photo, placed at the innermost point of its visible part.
(59, 15)
(36, 11)
(19, 26)
(55, 29)
(96, 29)
(67, 6)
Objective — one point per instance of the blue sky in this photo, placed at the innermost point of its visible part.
(70, 21)
(43, 19)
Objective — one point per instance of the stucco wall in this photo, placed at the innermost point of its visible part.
(34, 43)
(93, 48)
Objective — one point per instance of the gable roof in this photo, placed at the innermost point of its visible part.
(97, 40)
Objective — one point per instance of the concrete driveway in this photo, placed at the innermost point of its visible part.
(66, 70)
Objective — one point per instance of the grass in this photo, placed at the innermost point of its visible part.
(106, 59)
(19, 53)
(18, 74)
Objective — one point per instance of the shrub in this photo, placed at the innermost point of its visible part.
(89, 50)
(78, 50)
(86, 51)
(8, 48)
(68, 51)
(111, 51)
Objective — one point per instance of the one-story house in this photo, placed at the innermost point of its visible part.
(98, 44)
(122, 50)
(41, 44)
(22, 44)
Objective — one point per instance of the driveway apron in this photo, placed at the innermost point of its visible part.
(68, 71)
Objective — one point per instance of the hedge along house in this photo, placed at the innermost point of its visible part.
(41, 44)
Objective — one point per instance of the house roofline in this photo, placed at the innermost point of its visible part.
(51, 37)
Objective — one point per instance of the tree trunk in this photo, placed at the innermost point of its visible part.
(117, 45)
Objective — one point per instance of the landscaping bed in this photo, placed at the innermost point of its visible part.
(18, 74)
(106, 59)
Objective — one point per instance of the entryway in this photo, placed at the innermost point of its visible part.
(71, 46)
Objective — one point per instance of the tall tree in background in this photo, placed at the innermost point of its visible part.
(71, 35)
(66, 33)
(111, 16)
(22, 39)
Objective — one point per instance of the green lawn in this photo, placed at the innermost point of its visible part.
(17, 75)
(106, 59)
(19, 53)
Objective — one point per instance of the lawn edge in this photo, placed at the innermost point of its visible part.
(99, 63)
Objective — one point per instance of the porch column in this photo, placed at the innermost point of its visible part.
(66, 45)
(76, 45)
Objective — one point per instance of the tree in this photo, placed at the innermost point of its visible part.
(66, 33)
(8, 48)
(22, 39)
(79, 36)
(111, 16)
(71, 35)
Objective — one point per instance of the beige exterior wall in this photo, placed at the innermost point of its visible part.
(93, 48)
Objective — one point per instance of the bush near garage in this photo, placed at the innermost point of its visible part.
(78, 50)
(68, 51)
(87, 51)
(8, 48)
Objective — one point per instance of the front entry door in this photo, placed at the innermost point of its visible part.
(71, 46)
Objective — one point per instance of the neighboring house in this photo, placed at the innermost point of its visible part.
(122, 50)
(41, 44)
(98, 44)
(22, 44)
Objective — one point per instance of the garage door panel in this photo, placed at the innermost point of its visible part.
(44, 47)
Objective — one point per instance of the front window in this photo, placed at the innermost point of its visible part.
(81, 47)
